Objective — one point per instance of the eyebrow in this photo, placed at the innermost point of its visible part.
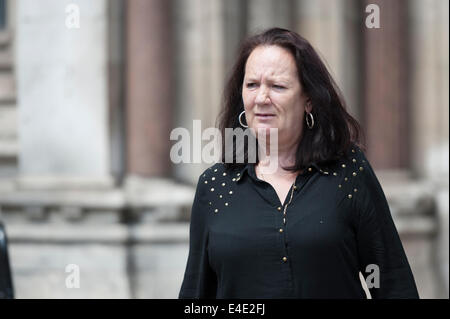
(270, 79)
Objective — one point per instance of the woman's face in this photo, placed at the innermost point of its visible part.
(272, 93)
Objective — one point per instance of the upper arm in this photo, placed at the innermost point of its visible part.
(199, 279)
(378, 241)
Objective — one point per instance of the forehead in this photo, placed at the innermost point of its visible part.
(272, 61)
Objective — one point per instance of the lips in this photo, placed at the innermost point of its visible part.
(264, 115)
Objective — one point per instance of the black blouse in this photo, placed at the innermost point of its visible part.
(335, 221)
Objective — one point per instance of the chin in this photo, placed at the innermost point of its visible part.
(263, 129)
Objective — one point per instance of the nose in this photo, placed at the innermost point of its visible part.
(263, 95)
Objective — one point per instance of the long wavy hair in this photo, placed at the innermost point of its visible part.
(334, 131)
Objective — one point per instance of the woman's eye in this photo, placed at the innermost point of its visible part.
(278, 86)
(251, 85)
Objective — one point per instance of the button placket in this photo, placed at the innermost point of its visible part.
(294, 187)
(281, 229)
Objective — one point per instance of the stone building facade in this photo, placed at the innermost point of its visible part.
(90, 91)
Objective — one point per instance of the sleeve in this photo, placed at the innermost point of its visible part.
(378, 241)
(199, 281)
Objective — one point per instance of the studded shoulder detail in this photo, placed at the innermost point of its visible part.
(348, 170)
(219, 187)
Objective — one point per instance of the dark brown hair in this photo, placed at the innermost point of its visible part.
(334, 129)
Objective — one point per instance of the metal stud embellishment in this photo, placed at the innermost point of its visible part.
(217, 182)
(309, 169)
(334, 173)
(356, 165)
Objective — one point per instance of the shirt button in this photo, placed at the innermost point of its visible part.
(284, 259)
(281, 230)
(279, 208)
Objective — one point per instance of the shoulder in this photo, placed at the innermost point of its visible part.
(218, 187)
(362, 183)
(212, 173)
(349, 163)
(203, 194)
(349, 172)
(209, 177)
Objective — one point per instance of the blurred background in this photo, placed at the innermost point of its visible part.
(92, 205)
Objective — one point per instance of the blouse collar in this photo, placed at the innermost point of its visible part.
(249, 168)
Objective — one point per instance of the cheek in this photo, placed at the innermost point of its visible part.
(287, 104)
(292, 109)
(247, 98)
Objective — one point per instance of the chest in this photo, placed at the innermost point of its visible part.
(254, 230)
(281, 185)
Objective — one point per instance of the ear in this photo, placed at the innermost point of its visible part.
(308, 105)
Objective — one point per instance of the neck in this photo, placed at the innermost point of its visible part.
(284, 157)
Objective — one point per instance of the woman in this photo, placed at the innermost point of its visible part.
(307, 229)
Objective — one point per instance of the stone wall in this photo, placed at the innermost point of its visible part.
(85, 113)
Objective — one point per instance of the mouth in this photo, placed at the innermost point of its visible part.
(265, 115)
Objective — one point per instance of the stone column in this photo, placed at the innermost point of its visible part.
(263, 14)
(8, 109)
(62, 94)
(149, 87)
(116, 78)
(429, 47)
(386, 87)
(333, 28)
(429, 93)
(207, 35)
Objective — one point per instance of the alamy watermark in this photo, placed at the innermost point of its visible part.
(373, 19)
(73, 279)
(373, 279)
(263, 143)
(73, 16)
